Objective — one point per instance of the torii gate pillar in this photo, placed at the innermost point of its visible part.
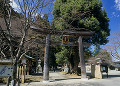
(46, 59)
(82, 60)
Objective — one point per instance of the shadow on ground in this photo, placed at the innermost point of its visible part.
(66, 79)
(104, 76)
(33, 78)
(113, 76)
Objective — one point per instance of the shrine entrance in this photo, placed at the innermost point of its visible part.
(77, 32)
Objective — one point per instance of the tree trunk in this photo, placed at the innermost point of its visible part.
(14, 75)
(8, 82)
(46, 59)
(76, 62)
(82, 60)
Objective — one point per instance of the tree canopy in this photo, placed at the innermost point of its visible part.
(88, 14)
(61, 57)
(104, 55)
(114, 46)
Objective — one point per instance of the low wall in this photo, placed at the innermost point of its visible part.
(96, 71)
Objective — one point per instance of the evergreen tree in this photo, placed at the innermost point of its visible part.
(88, 14)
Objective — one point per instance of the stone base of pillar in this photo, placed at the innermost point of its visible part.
(46, 81)
(84, 79)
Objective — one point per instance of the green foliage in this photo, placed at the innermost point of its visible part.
(87, 14)
(87, 53)
(61, 57)
(96, 50)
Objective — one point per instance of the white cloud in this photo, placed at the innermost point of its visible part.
(15, 6)
(39, 14)
(117, 4)
(114, 14)
(42, 15)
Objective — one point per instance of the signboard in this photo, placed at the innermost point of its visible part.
(65, 39)
(6, 70)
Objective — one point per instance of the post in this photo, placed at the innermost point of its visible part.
(20, 72)
(17, 71)
(46, 59)
(23, 73)
(82, 60)
(28, 68)
(22, 78)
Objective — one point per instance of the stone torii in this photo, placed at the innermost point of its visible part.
(79, 32)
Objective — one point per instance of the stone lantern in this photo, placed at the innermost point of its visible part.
(39, 68)
(23, 60)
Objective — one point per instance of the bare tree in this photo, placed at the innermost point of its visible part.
(114, 46)
(28, 9)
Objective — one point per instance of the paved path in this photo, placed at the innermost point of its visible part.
(59, 79)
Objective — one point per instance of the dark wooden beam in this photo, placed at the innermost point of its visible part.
(62, 32)
(63, 44)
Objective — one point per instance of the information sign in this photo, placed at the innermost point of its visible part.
(6, 70)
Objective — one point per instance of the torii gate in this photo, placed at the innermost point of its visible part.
(80, 33)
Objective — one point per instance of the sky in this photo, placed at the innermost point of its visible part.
(113, 10)
(14, 5)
